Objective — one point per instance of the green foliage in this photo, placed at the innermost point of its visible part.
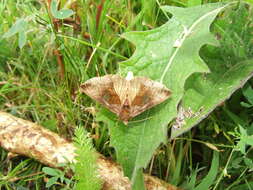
(191, 3)
(211, 90)
(248, 94)
(211, 176)
(17, 174)
(173, 63)
(208, 180)
(19, 27)
(60, 14)
(244, 140)
(86, 171)
(55, 175)
(30, 87)
(249, 1)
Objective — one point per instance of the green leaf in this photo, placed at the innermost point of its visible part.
(215, 88)
(245, 186)
(50, 171)
(51, 181)
(250, 129)
(209, 179)
(248, 93)
(241, 146)
(248, 162)
(249, 1)
(246, 105)
(61, 14)
(178, 168)
(21, 39)
(237, 120)
(191, 3)
(139, 182)
(86, 170)
(18, 26)
(192, 180)
(245, 140)
(169, 54)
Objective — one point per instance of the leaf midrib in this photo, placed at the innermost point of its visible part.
(185, 33)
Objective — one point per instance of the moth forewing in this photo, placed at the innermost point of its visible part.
(157, 91)
(92, 87)
(149, 95)
(102, 90)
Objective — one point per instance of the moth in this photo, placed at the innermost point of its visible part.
(126, 97)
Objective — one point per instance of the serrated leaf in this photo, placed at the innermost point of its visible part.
(61, 14)
(169, 54)
(215, 87)
(86, 171)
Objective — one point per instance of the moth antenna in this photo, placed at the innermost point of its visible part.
(129, 76)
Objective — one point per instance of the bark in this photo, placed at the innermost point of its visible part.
(26, 138)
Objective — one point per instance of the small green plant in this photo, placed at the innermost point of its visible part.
(89, 43)
(248, 94)
(170, 55)
(60, 14)
(55, 175)
(86, 171)
(19, 27)
(16, 174)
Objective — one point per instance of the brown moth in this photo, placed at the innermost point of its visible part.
(127, 97)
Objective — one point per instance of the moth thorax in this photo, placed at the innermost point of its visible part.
(126, 104)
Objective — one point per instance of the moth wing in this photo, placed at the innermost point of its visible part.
(150, 93)
(102, 90)
(120, 86)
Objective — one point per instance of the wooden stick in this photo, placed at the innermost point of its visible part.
(23, 137)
